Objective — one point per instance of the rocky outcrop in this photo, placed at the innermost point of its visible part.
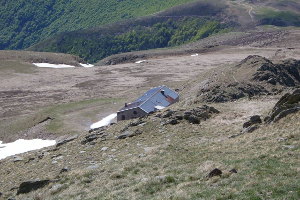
(289, 103)
(286, 73)
(253, 76)
(193, 116)
(230, 92)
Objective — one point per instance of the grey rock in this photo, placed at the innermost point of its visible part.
(136, 123)
(124, 135)
(215, 172)
(168, 114)
(288, 104)
(179, 117)
(17, 159)
(288, 146)
(65, 139)
(250, 129)
(253, 120)
(89, 138)
(93, 167)
(63, 170)
(29, 186)
(104, 148)
(233, 171)
(193, 119)
(56, 188)
(173, 122)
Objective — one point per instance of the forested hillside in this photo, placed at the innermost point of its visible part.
(172, 27)
(25, 22)
(93, 46)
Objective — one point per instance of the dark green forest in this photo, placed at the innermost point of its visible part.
(93, 46)
(25, 22)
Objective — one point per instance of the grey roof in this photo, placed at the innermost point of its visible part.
(153, 98)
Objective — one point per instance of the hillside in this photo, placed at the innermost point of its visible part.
(24, 23)
(179, 25)
(223, 154)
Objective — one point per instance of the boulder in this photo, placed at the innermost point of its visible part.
(253, 120)
(289, 103)
(29, 186)
(215, 172)
(193, 119)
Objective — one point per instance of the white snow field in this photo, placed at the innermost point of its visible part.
(104, 122)
(86, 65)
(59, 66)
(56, 66)
(22, 146)
(140, 61)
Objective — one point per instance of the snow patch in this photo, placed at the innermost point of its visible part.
(86, 65)
(140, 61)
(104, 122)
(159, 107)
(195, 55)
(56, 66)
(22, 146)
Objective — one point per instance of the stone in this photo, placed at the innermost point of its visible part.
(56, 188)
(65, 139)
(288, 104)
(29, 186)
(233, 171)
(168, 114)
(193, 119)
(63, 170)
(250, 129)
(136, 123)
(172, 122)
(104, 148)
(89, 138)
(179, 117)
(124, 135)
(288, 147)
(17, 159)
(215, 172)
(253, 120)
(93, 167)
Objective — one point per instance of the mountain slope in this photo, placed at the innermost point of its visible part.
(23, 23)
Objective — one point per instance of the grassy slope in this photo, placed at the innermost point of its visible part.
(23, 23)
(172, 162)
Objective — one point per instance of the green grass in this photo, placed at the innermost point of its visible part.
(59, 125)
(17, 67)
(23, 23)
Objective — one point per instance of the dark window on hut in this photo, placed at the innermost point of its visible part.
(134, 112)
(123, 117)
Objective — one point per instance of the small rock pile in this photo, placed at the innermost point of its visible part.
(95, 134)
